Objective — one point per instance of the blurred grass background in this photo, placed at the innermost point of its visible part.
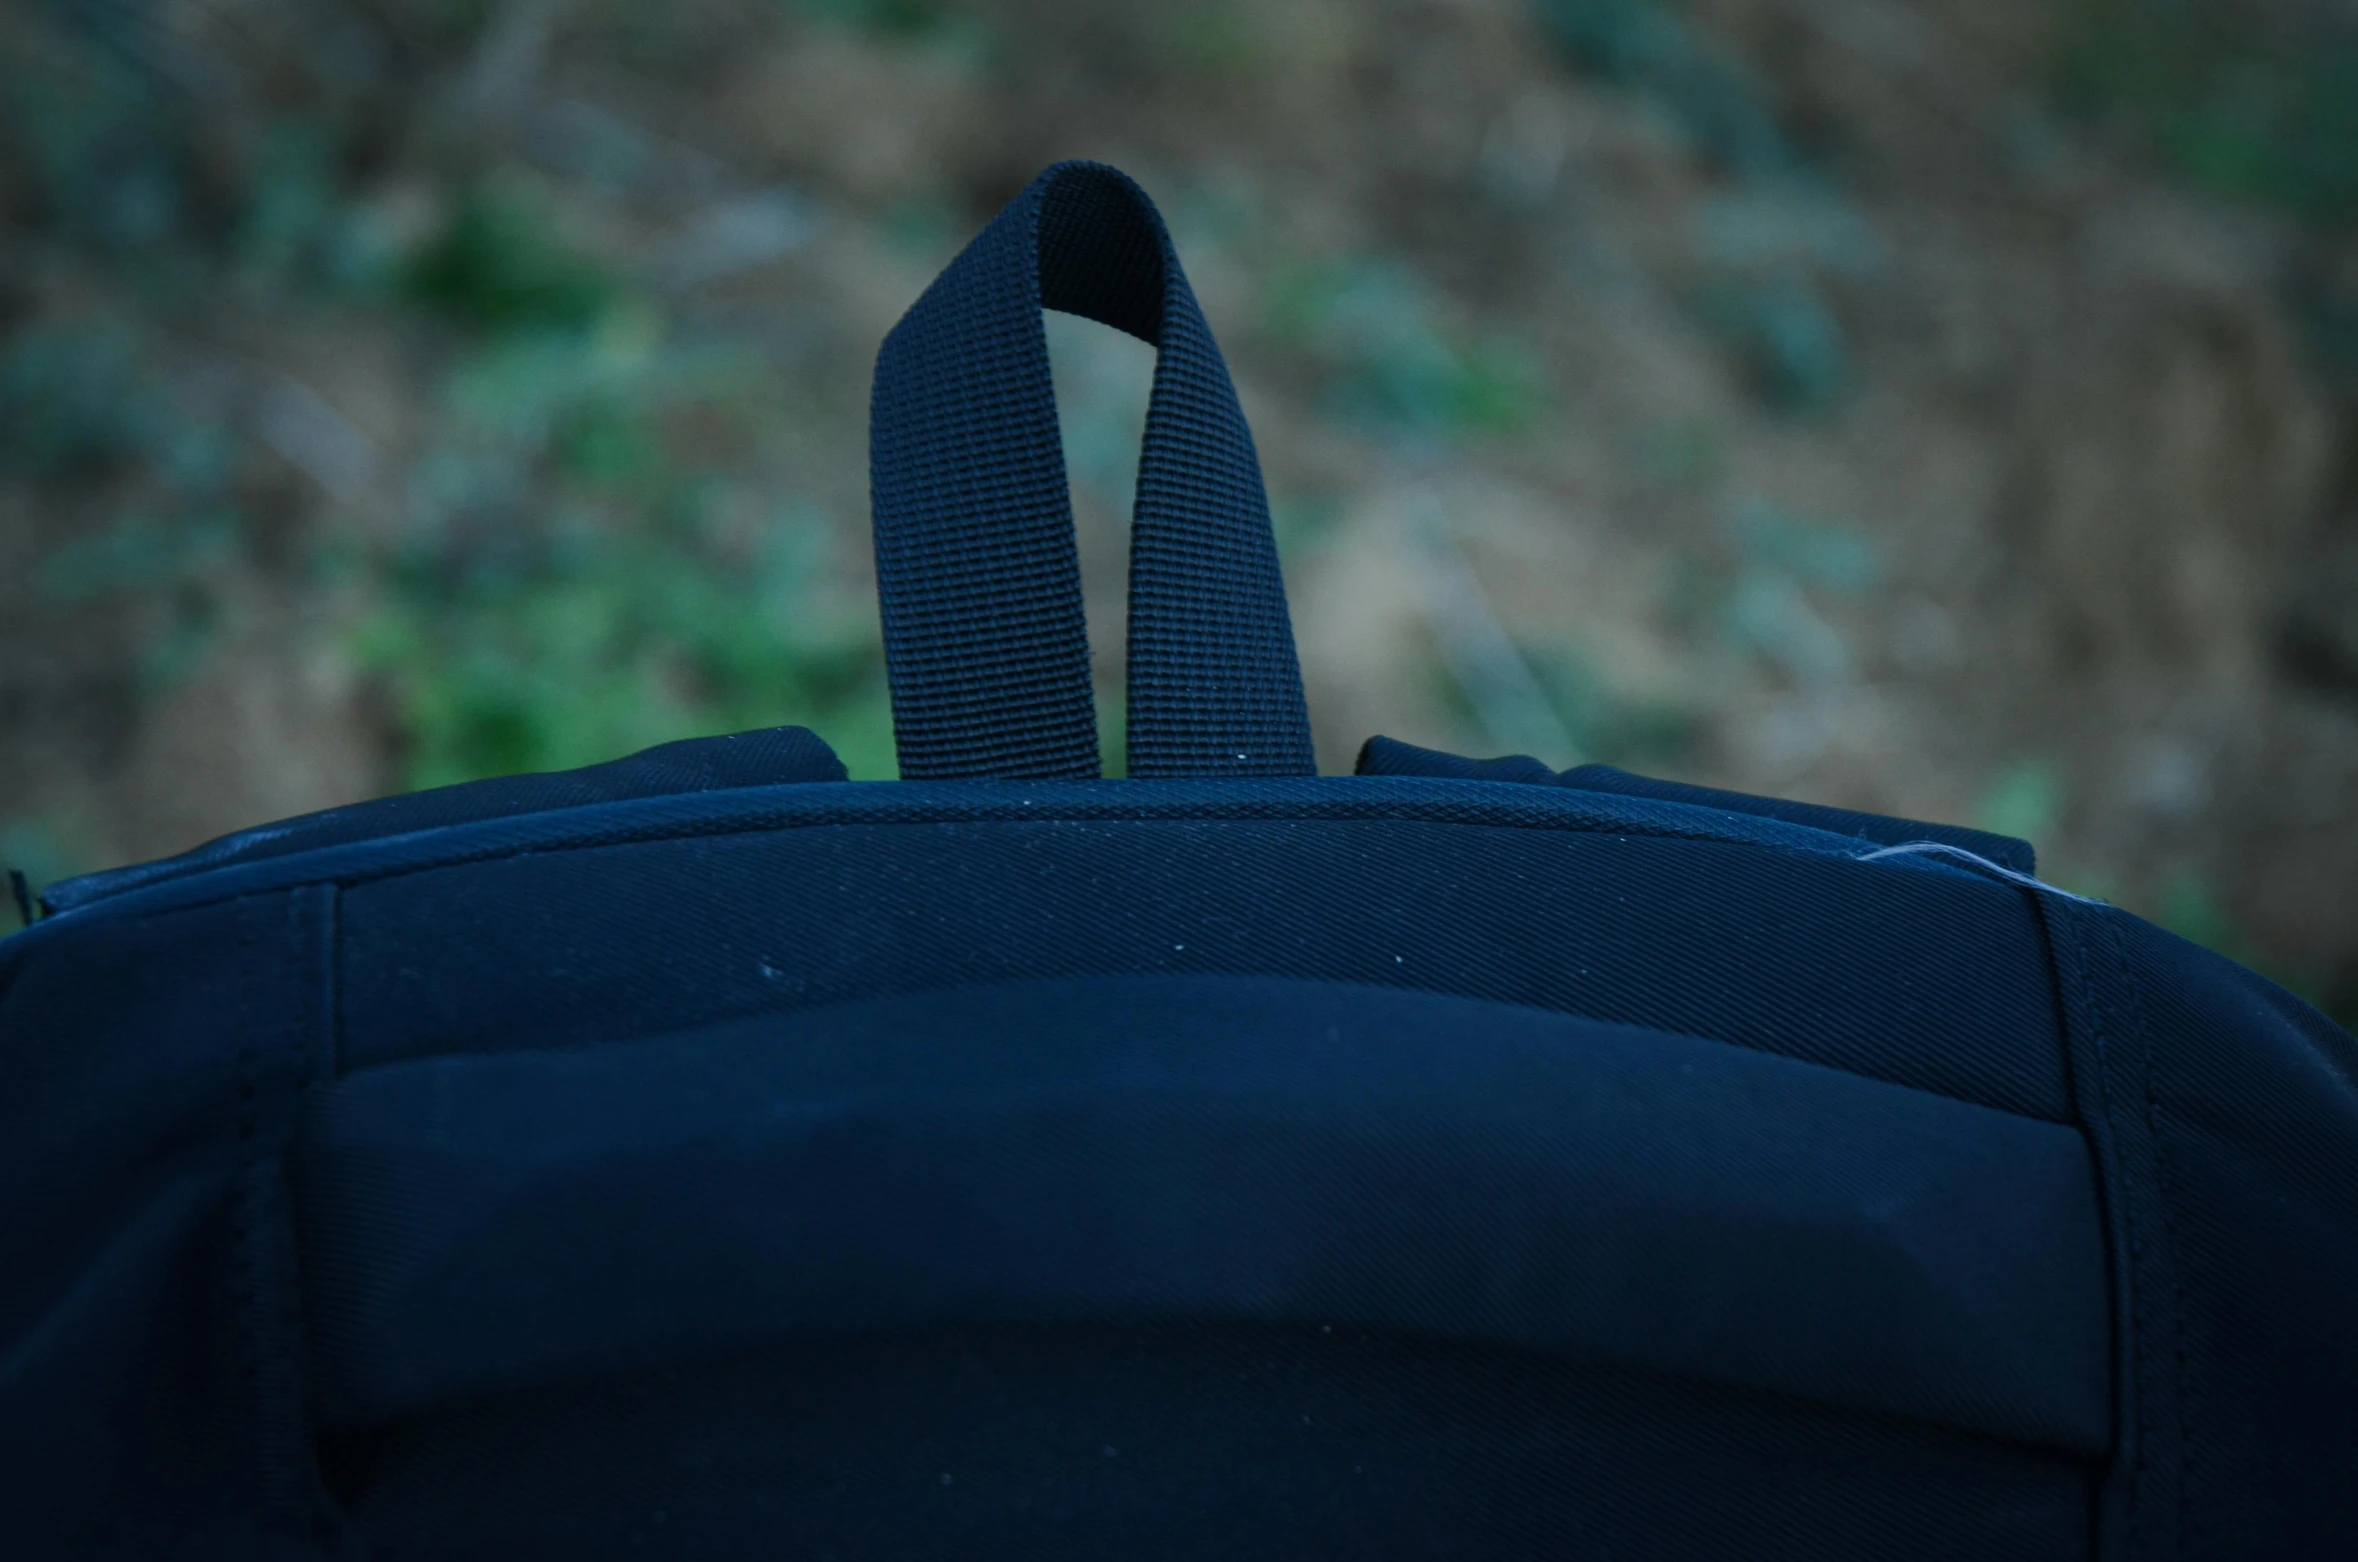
(1933, 407)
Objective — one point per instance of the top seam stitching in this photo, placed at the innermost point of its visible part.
(343, 881)
(245, 1261)
(2092, 1005)
(2133, 1005)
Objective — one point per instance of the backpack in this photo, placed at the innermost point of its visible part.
(705, 1156)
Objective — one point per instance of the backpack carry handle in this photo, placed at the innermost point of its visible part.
(977, 573)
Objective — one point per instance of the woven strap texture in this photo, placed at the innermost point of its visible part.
(980, 583)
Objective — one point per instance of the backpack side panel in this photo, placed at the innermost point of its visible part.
(150, 1383)
(2224, 1112)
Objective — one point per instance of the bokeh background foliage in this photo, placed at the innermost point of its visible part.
(1935, 407)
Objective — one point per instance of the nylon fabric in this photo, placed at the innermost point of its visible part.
(761, 758)
(1908, 976)
(2245, 1198)
(1183, 1441)
(151, 1384)
(1391, 757)
(1210, 1147)
(179, 882)
(976, 570)
(122, 1277)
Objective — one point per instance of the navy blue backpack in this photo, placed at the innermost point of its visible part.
(704, 1156)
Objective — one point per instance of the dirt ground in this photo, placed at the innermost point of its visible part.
(1790, 395)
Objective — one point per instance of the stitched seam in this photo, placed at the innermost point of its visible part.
(2126, 1205)
(2161, 1161)
(245, 1271)
(1396, 814)
(2090, 1110)
(303, 955)
(329, 996)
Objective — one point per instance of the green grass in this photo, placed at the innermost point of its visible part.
(2025, 800)
(1650, 46)
(1389, 363)
(2253, 113)
(583, 551)
(596, 646)
(498, 267)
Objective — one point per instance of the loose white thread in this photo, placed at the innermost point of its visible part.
(1944, 849)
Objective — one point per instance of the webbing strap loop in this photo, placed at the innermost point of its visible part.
(976, 569)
